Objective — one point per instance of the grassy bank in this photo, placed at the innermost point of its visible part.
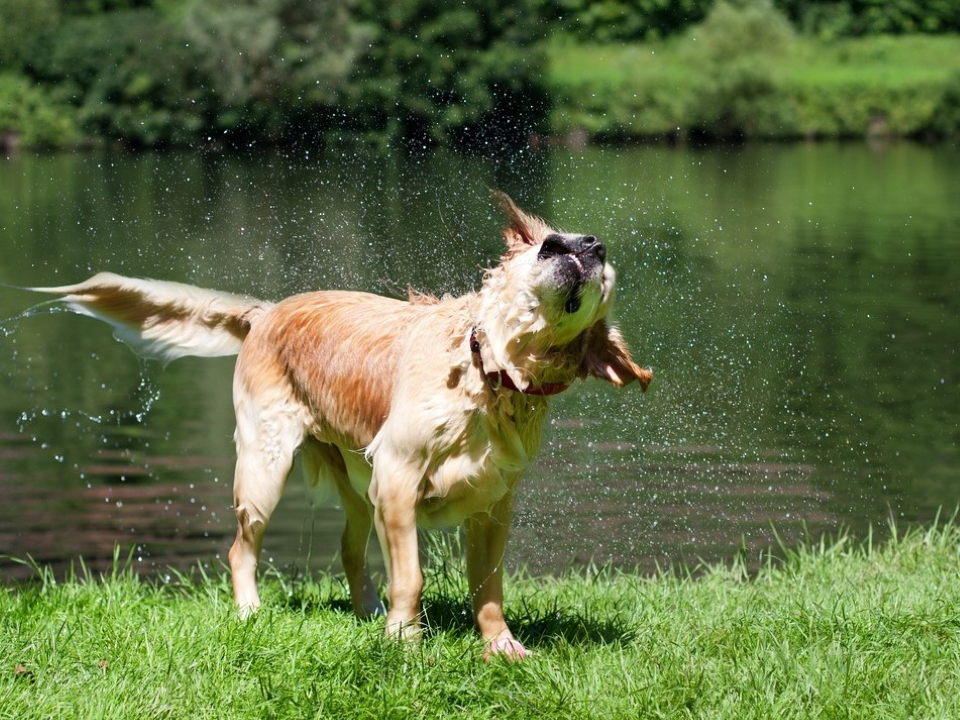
(835, 631)
(780, 87)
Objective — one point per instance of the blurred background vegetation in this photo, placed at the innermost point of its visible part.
(482, 74)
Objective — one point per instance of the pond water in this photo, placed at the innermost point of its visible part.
(800, 305)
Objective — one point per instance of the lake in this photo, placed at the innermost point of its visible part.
(799, 303)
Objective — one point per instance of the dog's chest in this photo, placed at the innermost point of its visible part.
(479, 460)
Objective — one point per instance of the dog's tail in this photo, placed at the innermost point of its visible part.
(165, 320)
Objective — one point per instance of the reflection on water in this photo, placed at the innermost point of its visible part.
(798, 303)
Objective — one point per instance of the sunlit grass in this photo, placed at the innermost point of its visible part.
(834, 629)
(817, 88)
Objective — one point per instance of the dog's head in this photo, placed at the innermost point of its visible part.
(543, 309)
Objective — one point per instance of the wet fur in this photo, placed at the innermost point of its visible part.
(391, 403)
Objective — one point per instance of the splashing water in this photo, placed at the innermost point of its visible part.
(792, 301)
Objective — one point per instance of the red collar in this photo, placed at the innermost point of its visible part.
(502, 379)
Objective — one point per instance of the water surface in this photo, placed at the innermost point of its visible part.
(798, 302)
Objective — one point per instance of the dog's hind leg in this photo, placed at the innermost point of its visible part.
(356, 537)
(325, 462)
(266, 443)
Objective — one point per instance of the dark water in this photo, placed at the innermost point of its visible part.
(799, 303)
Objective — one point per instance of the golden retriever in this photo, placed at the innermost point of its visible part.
(424, 411)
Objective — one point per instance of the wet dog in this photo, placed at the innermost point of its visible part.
(424, 411)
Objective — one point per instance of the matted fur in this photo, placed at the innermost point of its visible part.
(423, 411)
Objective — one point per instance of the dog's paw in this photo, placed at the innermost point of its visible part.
(369, 606)
(245, 612)
(409, 630)
(505, 648)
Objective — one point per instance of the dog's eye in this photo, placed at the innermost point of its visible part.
(552, 246)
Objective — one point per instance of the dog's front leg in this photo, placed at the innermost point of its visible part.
(395, 492)
(486, 545)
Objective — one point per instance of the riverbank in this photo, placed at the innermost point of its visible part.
(732, 77)
(785, 88)
(837, 629)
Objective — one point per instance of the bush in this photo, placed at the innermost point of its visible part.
(719, 80)
(735, 50)
(221, 71)
(603, 21)
(830, 19)
(20, 22)
(146, 93)
(436, 72)
(270, 66)
(902, 86)
(29, 116)
(946, 116)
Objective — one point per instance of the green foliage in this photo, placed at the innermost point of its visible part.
(31, 117)
(719, 80)
(946, 116)
(723, 80)
(154, 72)
(182, 71)
(887, 85)
(20, 22)
(603, 21)
(623, 20)
(735, 49)
(145, 93)
(221, 71)
(97, 7)
(271, 63)
(830, 19)
(470, 73)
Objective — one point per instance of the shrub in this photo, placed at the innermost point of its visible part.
(270, 65)
(903, 86)
(30, 115)
(471, 73)
(830, 19)
(20, 22)
(945, 120)
(146, 93)
(734, 50)
(604, 21)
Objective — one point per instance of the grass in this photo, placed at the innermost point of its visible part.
(835, 630)
(803, 88)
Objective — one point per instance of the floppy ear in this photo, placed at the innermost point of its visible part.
(521, 229)
(606, 357)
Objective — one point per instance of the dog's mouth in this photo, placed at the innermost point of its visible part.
(577, 260)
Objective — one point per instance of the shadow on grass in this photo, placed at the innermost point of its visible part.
(446, 610)
(541, 626)
(445, 603)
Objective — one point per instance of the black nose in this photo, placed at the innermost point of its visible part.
(554, 245)
(590, 243)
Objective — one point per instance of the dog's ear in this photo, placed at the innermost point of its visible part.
(606, 357)
(521, 229)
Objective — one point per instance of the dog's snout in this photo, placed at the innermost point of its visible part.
(554, 245)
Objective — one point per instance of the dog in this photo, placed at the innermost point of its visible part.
(418, 412)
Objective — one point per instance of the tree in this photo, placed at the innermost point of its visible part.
(471, 73)
(273, 64)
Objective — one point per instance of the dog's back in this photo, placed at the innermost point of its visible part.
(335, 352)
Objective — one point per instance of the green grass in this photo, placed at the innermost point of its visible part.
(895, 61)
(836, 630)
(804, 87)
